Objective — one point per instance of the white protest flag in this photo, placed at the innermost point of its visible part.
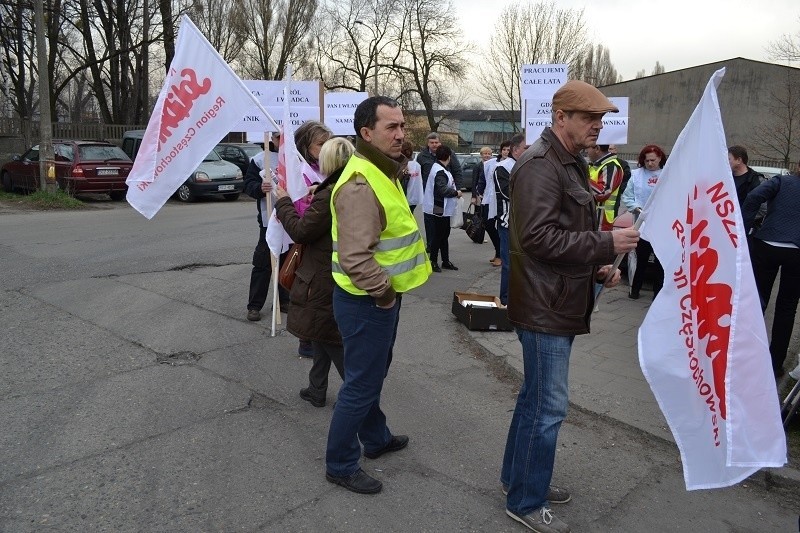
(290, 174)
(201, 99)
(703, 345)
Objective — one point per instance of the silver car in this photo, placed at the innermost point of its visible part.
(213, 177)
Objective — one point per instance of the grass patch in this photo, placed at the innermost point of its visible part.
(57, 199)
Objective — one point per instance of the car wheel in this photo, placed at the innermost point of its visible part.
(7, 183)
(184, 194)
(231, 197)
(117, 196)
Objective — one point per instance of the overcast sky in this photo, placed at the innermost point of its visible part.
(678, 33)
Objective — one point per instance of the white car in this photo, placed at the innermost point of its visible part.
(769, 172)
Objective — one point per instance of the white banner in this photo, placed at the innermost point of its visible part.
(703, 345)
(539, 116)
(200, 101)
(305, 102)
(615, 125)
(339, 110)
(299, 115)
(540, 82)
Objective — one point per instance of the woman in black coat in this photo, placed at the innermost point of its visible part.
(311, 313)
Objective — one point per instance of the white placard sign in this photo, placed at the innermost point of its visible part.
(615, 125)
(538, 115)
(540, 82)
(339, 110)
(299, 116)
(304, 101)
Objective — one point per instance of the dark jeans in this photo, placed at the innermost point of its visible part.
(504, 268)
(767, 260)
(261, 274)
(643, 251)
(440, 242)
(491, 229)
(541, 407)
(324, 354)
(368, 334)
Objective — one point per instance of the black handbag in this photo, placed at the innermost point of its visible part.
(473, 224)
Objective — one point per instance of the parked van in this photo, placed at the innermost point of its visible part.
(213, 177)
(131, 140)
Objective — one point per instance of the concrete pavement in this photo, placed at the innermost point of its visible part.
(135, 396)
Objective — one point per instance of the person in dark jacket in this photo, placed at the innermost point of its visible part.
(256, 187)
(745, 178)
(439, 203)
(774, 247)
(311, 314)
(555, 254)
(426, 159)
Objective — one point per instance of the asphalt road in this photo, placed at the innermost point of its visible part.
(134, 396)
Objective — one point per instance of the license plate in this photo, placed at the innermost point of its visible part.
(107, 171)
(225, 187)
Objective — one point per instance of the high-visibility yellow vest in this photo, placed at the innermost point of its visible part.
(594, 174)
(400, 251)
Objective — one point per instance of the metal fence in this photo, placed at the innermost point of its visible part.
(13, 127)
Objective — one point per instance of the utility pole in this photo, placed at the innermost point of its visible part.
(47, 169)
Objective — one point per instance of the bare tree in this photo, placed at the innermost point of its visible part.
(528, 33)
(786, 48)
(276, 31)
(17, 57)
(658, 69)
(430, 57)
(640, 74)
(778, 135)
(168, 26)
(595, 67)
(354, 43)
(223, 23)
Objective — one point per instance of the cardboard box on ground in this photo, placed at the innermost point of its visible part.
(480, 312)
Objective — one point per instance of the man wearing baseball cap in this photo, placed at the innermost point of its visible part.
(556, 258)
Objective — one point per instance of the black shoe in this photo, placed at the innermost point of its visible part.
(435, 266)
(359, 482)
(397, 442)
(449, 266)
(310, 398)
(633, 295)
(253, 315)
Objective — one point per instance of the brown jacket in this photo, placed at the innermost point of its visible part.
(361, 219)
(311, 314)
(553, 248)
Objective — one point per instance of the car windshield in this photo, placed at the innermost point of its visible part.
(252, 150)
(101, 152)
(212, 156)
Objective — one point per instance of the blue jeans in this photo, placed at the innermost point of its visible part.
(368, 334)
(503, 234)
(541, 407)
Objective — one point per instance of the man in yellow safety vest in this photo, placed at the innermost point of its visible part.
(605, 178)
(378, 254)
